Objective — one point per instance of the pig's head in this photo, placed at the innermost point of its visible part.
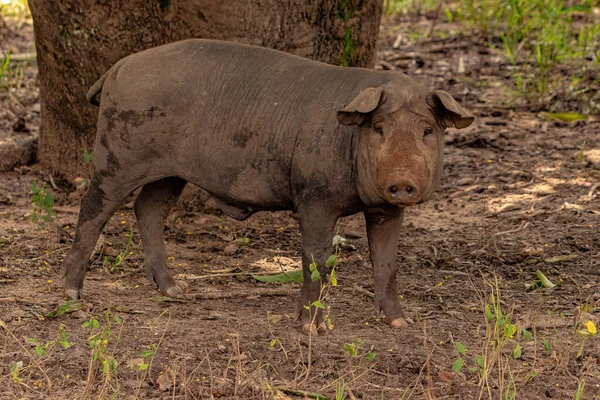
(401, 139)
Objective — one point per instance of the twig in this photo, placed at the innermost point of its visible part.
(445, 271)
(435, 18)
(52, 183)
(236, 294)
(363, 291)
(298, 392)
(31, 357)
(520, 228)
(147, 370)
(590, 194)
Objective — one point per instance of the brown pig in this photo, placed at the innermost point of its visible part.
(258, 130)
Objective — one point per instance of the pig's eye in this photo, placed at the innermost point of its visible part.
(379, 130)
(428, 131)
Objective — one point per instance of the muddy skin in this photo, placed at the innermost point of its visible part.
(257, 129)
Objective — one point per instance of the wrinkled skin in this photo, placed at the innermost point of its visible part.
(257, 130)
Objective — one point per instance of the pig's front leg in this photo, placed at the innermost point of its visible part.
(317, 229)
(383, 231)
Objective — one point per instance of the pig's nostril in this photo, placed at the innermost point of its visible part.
(405, 192)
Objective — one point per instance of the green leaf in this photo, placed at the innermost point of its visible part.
(350, 349)
(546, 346)
(457, 365)
(147, 353)
(315, 276)
(32, 340)
(333, 277)
(272, 343)
(63, 338)
(94, 323)
(517, 351)
(87, 157)
(500, 318)
(544, 281)
(370, 356)
(461, 348)
(509, 331)
(480, 361)
(292, 276)
(530, 376)
(488, 312)
(449, 16)
(143, 367)
(331, 261)
(527, 335)
(566, 117)
(66, 308)
(39, 350)
(242, 241)
(318, 304)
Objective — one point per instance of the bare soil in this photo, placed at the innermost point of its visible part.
(519, 194)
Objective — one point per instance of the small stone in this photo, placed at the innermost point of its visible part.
(353, 234)
(230, 249)
(79, 314)
(465, 181)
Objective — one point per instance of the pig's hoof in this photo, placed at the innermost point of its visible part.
(312, 329)
(176, 292)
(400, 322)
(72, 294)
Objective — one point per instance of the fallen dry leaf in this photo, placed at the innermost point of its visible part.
(166, 379)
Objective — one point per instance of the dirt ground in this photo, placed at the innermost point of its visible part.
(519, 194)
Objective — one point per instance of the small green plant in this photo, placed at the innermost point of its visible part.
(537, 36)
(4, 64)
(316, 306)
(14, 372)
(147, 356)
(580, 387)
(42, 349)
(100, 337)
(540, 38)
(457, 365)
(87, 156)
(547, 348)
(121, 257)
(43, 203)
(340, 389)
(356, 349)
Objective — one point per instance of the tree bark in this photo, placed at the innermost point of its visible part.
(78, 40)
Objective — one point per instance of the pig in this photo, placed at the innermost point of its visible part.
(263, 130)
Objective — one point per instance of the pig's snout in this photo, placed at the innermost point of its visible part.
(402, 190)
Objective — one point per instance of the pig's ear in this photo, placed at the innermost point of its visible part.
(451, 113)
(356, 112)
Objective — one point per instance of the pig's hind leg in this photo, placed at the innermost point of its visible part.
(97, 206)
(151, 209)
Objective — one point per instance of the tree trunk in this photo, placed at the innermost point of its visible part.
(78, 40)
